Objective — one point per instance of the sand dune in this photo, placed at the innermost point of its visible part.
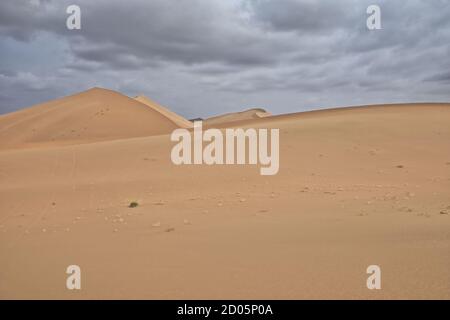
(255, 113)
(356, 187)
(93, 115)
(177, 119)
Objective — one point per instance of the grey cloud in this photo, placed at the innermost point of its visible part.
(21, 19)
(440, 77)
(188, 32)
(304, 16)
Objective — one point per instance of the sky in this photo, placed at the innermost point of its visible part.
(206, 57)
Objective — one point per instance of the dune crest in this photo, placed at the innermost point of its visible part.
(254, 113)
(93, 115)
(177, 119)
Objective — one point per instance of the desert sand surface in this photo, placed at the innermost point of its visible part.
(356, 187)
(249, 114)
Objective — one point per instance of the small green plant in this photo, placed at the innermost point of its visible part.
(133, 204)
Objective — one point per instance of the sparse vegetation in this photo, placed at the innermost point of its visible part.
(133, 204)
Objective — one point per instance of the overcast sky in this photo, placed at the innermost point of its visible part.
(205, 57)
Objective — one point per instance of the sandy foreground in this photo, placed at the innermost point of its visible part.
(356, 187)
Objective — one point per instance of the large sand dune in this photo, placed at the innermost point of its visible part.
(94, 115)
(356, 187)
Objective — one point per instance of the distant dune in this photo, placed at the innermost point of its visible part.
(255, 113)
(177, 119)
(93, 115)
(356, 187)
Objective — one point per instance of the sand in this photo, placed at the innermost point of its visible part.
(356, 187)
(175, 118)
(94, 115)
(227, 118)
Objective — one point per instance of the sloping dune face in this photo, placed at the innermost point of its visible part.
(175, 118)
(93, 115)
(255, 113)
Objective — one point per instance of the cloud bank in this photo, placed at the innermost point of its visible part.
(204, 57)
